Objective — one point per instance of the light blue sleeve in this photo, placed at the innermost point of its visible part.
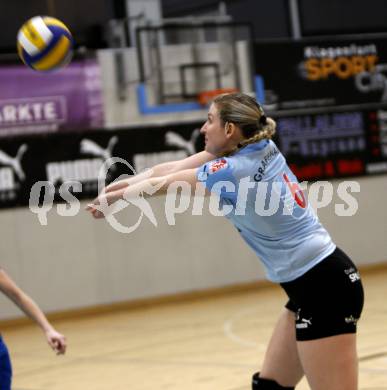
(217, 176)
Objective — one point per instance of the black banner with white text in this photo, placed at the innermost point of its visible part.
(321, 73)
(317, 146)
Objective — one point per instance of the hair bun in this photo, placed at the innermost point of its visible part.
(263, 120)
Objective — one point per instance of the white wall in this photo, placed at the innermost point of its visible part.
(363, 235)
(76, 262)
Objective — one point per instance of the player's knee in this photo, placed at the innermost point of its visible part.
(267, 384)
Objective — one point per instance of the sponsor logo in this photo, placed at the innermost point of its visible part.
(82, 170)
(341, 62)
(143, 161)
(175, 139)
(349, 270)
(12, 174)
(322, 135)
(354, 277)
(353, 274)
(90, 147)
(16, 112)
(217, 165)
(373, 80)
(304, 323)
(14, 162)
(264, 163)
(339, 51)
(351, 320)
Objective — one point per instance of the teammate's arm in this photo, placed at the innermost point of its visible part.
(56, 340)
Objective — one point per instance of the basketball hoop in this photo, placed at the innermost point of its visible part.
(205, 97)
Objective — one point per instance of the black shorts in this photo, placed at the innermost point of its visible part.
(328, 299)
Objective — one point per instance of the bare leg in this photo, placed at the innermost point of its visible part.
(331, 362)
(281, 362)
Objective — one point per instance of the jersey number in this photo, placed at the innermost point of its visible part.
(296, 191)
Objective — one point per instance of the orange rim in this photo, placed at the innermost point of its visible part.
(206, 97)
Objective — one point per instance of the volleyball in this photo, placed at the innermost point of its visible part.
(44, 43)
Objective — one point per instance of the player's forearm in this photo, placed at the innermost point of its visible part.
(31, 309)
(162, 170)
(157, 171)
(150, 186)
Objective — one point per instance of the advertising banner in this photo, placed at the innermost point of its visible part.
(317, 146)
(44, 102)
(334, 144)
(317, 72)
(78, 157)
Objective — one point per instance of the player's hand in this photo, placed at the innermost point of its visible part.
(96, 206)
(56, 341)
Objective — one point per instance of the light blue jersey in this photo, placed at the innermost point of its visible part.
(261, 196)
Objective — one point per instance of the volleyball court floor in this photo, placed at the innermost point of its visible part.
(212, 343)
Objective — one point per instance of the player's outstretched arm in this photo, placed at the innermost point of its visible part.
(164, 169)
(152, 186)
(56, 340)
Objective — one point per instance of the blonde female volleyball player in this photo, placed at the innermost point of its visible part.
(316, 334)
(56, 340)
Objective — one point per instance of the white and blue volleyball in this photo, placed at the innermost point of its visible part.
(44, 43)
